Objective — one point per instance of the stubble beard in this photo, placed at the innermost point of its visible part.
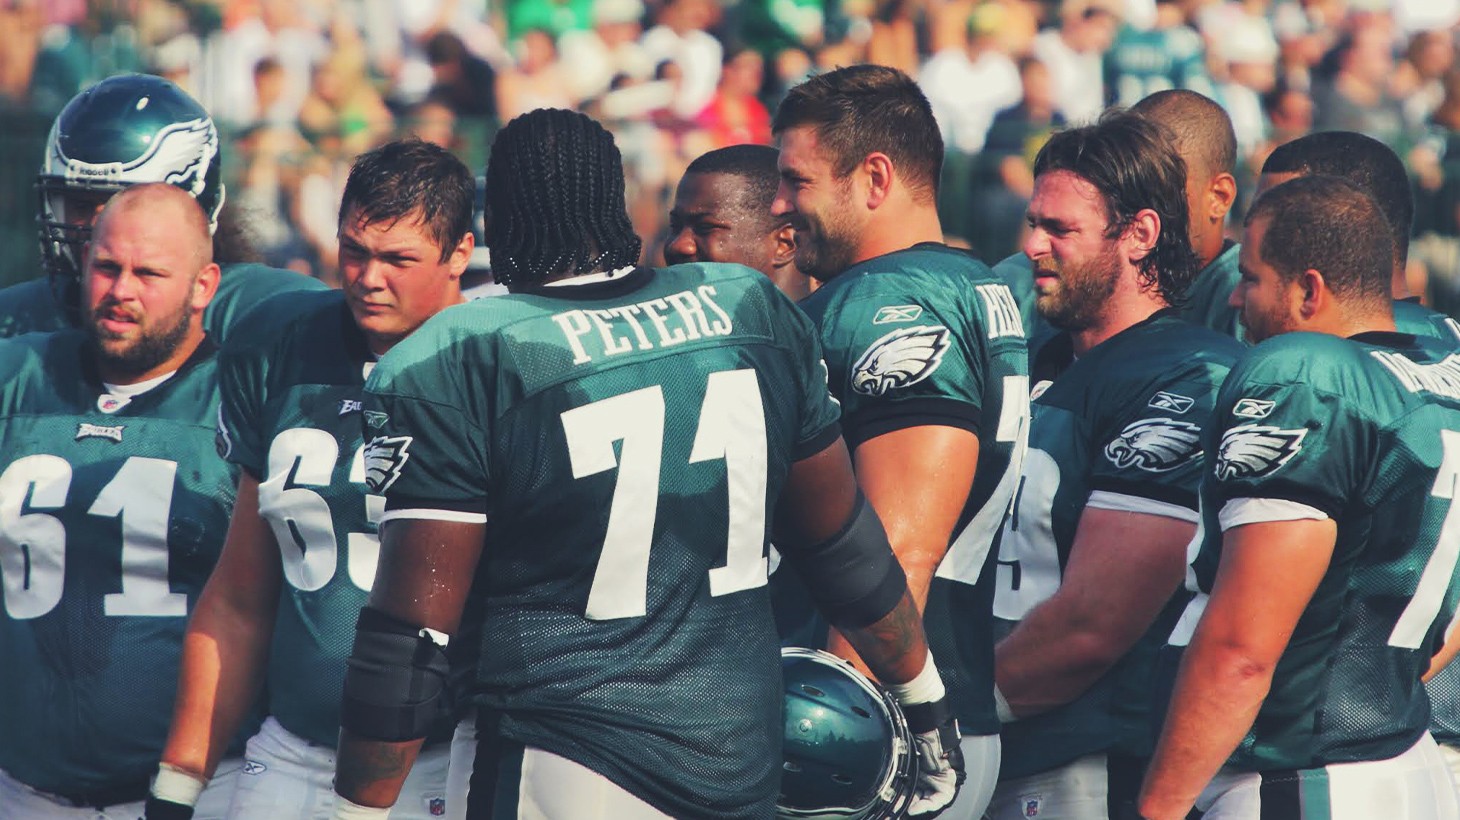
(1081, 291)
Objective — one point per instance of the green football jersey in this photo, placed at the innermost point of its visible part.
(30, 307)
(929, 336)
(1366, 432)
(1117, 429)
(1142, 62)
(112, 514)
(1017, 271)
(1206, 299)
(625, 441)
(291, 381)
(1412, 317)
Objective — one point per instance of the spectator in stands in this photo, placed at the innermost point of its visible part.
(1073, 50)
(465, 83)
(538, 80)
(735, 114)
(1354, 94)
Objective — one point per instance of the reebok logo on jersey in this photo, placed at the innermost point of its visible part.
(376, 419)
(85, 430)
(900, 358)
(897, 313)
(349, 406)
(1172, 402)
(1038, 389)
(1252, 408)
(384, 458)
(254, 767)
(1254, 450)
(1156, 445)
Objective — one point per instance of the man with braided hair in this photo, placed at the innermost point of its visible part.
(579, 482)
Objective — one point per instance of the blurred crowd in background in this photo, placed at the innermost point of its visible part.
(300, 87)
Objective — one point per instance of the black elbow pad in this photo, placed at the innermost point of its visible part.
(396, 680)
(853, 576)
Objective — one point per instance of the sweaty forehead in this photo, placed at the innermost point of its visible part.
(710, 193)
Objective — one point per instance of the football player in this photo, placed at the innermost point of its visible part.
(113, 509)
(1093, 553)
(722, 213)
(1380, 173)
(280, 608)
(1202, 134)
(1328, 539)
(926, 353)
(125, 130)
(588, 468)
(1204, 137)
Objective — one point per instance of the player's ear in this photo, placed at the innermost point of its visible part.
(784, 252)
(880, 174)
(1223, 193)
(1143, 233)
(1312, 292)
(460, 256)
(205, 285)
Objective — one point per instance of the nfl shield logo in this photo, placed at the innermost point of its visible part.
(1031, 805)
(437, 806)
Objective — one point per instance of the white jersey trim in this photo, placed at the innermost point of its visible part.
(1241, 511)
(435, 515)
(1120, 502)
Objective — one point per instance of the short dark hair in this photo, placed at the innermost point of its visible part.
(1362, 160)
(756, 164)
(1202, 129)
(555, 199)
(865, 108)
(407, 176)
(1133, 163)
(1328, 224)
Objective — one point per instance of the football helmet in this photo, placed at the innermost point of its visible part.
(848, 752)
(125, 130)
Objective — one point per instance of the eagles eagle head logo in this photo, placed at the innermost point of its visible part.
(1254, 450)
(384, 458)
(900, 358)
(1155, 444)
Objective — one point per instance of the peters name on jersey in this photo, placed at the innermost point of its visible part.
(664, 322)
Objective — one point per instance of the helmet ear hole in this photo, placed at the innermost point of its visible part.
(847, 750)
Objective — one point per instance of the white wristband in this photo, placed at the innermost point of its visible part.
(925, 688)
(177, 786)
(345, 809)
(1001, 706)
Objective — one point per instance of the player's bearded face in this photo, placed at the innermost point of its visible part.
(131, 340)
(1079, 289)
(825, 238)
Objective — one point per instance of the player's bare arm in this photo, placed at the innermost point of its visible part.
(1123, 568)
(421, 583)
(1268, 574)
(918, 480)
(226, 645)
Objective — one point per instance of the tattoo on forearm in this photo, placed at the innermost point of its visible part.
(369, 764)
(895, 636)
